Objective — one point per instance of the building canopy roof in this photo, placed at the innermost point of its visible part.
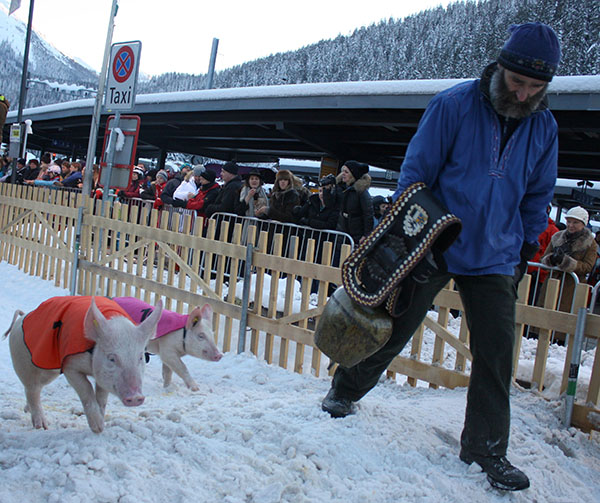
(368, 121)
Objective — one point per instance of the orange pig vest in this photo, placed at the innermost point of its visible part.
(54, 330)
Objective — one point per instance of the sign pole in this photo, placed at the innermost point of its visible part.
(23, 93)
(91, 151)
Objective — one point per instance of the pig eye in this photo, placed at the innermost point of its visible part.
(111, 358)
(201, 335)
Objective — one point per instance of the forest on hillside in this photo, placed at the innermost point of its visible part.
(452, 42)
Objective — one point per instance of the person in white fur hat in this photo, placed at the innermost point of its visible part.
(571, 250)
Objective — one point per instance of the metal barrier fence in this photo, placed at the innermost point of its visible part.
(289, 230)
(539, 274)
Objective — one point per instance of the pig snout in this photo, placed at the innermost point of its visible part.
(212, 356)
(133, 399)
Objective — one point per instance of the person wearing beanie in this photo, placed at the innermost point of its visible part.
(231, 168)
(208, 193)
(356, 204)
(227, 197)
(573, 250)
(154, 191)
(133, 189)
(199, 169)
(488, 150)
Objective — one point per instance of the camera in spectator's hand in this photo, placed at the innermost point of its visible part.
(557, 257)
(327, 180)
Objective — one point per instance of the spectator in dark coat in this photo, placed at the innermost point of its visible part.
(32, 170)
(230, 192)
(381, 205)
(283, 198)
(172, 185)
(322, 210)
(356, 208)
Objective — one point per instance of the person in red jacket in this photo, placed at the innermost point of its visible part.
(133, 189)
(544, 240)
(155, 190)
(207, 194)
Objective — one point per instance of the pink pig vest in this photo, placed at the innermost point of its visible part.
(139, 311)
(54, 330)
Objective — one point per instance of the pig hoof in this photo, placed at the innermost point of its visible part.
(97, 428)
(194, 387)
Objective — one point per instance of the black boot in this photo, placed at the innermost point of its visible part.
(500, 473)
(336, 405)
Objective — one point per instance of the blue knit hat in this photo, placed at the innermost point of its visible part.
(532, 50)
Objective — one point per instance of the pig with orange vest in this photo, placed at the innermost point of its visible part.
(81, 337)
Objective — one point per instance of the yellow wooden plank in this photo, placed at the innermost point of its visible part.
(541, 354)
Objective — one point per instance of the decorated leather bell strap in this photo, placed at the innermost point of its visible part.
(386, 256)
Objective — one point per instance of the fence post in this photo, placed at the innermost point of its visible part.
(574, 366)
(245, 298)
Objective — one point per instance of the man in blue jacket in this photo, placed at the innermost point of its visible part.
(488, 150)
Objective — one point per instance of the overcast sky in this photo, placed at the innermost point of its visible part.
(177, 35)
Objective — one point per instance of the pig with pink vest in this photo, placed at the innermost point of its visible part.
(81, 337)
(177, 335)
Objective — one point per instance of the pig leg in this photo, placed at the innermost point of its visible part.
(32, 377)
(173, 361)
(101, 398)
(167, 374)
(84, 389)
(34, 406)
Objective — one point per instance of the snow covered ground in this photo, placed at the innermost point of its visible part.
(255, 433)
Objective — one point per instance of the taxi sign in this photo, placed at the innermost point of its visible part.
(122, 76)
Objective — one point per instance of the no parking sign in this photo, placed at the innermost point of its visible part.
(122, 75)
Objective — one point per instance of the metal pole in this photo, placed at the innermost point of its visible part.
(574, 365)
(23, 93)
(110, 157)
(95, 125)
(245, 298)
(211, 66)
(76, 246)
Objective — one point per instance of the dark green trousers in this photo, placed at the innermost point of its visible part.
(489, 305)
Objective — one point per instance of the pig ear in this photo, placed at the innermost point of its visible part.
(148, 326)
(193, 318)
(94, 323)
(207, 312)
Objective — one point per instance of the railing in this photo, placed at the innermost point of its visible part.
(288, 230)
(565, 300)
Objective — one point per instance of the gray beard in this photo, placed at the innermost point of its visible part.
(505, 101)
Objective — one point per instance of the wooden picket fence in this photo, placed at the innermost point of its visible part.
(125, 251)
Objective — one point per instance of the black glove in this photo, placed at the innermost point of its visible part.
(528, 251)
(121, 194)
(304, 221)
(557, 257)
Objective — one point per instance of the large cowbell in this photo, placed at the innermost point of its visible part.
(357, 319)
(348, 332)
